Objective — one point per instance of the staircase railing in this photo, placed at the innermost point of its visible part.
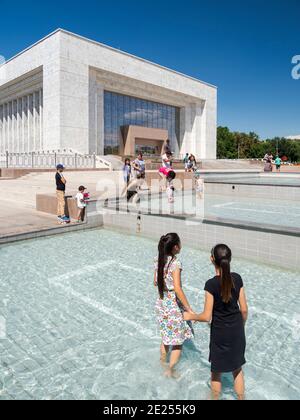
(41, 160)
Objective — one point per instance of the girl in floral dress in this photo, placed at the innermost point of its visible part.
(172, 302)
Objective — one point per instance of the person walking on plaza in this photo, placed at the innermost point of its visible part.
(278, 163)
(226, 307)
(127, 172)
(60, 194)
(167, 147)
(186, 162)
(192, 164)
(139, 167)
(167, 160)
(268, 162)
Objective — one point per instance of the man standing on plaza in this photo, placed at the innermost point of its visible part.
(60, 194)
(167, 147)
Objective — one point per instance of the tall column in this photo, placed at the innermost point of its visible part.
(96, 115)
(41, 143)
(187, 117)
(1, 129)
(9, 126)
(211, 126)
(29, 125)
(74, 118)
(52, 106)
(199, 130)
(12, 128)
(34, 145)
(6, 126)
(19, 110)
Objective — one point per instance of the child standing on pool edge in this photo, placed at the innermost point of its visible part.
(81, 200)
(172, 301)
(226, 305)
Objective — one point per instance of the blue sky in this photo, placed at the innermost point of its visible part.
(243, 47)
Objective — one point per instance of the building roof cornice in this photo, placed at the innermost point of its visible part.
(109, 48)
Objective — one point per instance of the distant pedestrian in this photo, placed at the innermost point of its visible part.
(278, 163)
(127, 171)
(139, 167)
(268, 159)
(167, 147)
(186, 162)
(167, 160)
(192, 164)
(60, 195)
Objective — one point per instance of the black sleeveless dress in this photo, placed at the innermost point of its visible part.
(228, 340)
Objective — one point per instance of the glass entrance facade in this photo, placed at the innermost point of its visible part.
(121, 110)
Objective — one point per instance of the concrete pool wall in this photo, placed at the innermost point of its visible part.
(262, 244)
(280, 249)
(237, 189)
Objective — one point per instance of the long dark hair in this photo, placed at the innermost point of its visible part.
(165, 249)
(222, 256)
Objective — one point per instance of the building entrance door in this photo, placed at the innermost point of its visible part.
(149, 141)
(150, 150)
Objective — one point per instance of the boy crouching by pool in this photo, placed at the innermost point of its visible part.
(81, 199)
(169, 175)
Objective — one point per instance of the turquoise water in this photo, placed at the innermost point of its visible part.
(285, 213)
(274, 179)
(79, 312)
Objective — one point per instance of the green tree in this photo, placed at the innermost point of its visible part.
(226, 144)
(232, 145)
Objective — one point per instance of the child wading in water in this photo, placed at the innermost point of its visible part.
(199, 185)
(169, 176)
(226, 306)
(170, 186)
(172, 301)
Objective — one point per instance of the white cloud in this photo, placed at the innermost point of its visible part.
(293, 137)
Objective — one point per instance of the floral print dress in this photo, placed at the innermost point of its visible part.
(169, 311)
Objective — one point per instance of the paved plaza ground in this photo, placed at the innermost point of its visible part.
(18, 199)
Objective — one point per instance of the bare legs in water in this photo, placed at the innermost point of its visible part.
(239, 384)
(174, 359)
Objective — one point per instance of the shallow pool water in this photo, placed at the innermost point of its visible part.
(285, 213)
(274, 179)
(77, 321)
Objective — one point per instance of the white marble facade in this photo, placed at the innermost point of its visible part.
(52, 97)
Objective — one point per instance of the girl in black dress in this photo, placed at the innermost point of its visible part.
(226, 306)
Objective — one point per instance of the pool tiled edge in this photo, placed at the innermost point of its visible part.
(267, 247)
(94, 221)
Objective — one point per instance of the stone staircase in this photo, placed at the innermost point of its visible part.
(116, 162)
(153, 164)
(209, 164)
(226, 164)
